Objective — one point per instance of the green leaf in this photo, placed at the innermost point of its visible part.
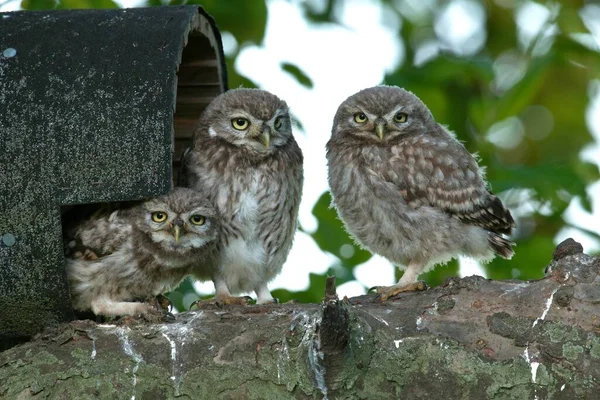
(38, 4)
(235, 79)
(297, 73)
(440, 273)
(246, 20)
(523, 93)
(545, 179)
(331, 235)
(327, 15)
(80, 4)
(183, 296)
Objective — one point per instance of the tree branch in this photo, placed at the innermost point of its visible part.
(470, 338)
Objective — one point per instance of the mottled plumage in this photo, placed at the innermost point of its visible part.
(116, 257)
(245, 157)
(406, 188)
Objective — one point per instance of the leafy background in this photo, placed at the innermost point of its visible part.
(520, 105)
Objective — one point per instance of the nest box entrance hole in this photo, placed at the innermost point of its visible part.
(199, 80)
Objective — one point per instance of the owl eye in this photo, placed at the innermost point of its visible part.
(159, 216)
(278, 122)
(241, 124)
(400, 117)
(361, 118)
(197, 219)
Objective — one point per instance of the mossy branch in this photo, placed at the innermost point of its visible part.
(471, 338)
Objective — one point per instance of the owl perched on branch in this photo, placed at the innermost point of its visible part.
(406, 189)
(246, 159)
(117, 257)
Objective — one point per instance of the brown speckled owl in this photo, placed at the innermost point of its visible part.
(406, 189)
(246, 159)
(117, 257)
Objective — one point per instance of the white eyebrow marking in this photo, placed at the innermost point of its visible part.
(212, 132)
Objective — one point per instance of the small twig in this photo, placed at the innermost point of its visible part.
(330, 290)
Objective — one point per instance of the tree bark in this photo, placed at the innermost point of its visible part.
(471, 338)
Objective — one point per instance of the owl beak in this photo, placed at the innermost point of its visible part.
(265, 137)
(380, 128)
(177, 233)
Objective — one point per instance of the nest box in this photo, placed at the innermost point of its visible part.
(95, 106)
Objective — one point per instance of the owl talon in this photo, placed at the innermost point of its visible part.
(155, 316)
(386, 292)
(168, 317)
(160, 302)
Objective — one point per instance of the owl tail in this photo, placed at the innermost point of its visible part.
(501, 246)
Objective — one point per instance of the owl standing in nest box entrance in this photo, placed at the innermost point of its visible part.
(117, 257)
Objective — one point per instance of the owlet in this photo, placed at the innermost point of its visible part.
(246, 159)
(407, 190)
(117, 257)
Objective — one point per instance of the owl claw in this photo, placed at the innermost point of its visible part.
(160, 302)
(158, 310)
(168, 317)
(155, 316)
(386, 292)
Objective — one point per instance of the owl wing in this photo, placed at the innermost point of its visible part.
(440, 172)
(97, 236)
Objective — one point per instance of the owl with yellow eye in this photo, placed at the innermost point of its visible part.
(408, 190)
(245, 158)
(115, 258)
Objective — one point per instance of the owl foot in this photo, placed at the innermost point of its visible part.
(229, 300)
(149, 314)
(385, 292)
(156, 316)
(221, 301)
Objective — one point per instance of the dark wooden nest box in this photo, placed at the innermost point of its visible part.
(95, 106)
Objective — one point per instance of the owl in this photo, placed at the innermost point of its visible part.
(407, 190)
(114, 258)
(245, 158)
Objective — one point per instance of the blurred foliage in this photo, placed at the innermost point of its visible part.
(245, 20)
(547, 98)
(66, 4)
(297, 73)
(462, 92)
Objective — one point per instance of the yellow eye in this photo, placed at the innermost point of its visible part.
(241, 124)
(361, 118)
(400, 117)
(159, 216)
(278, 122)
(197, 219)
